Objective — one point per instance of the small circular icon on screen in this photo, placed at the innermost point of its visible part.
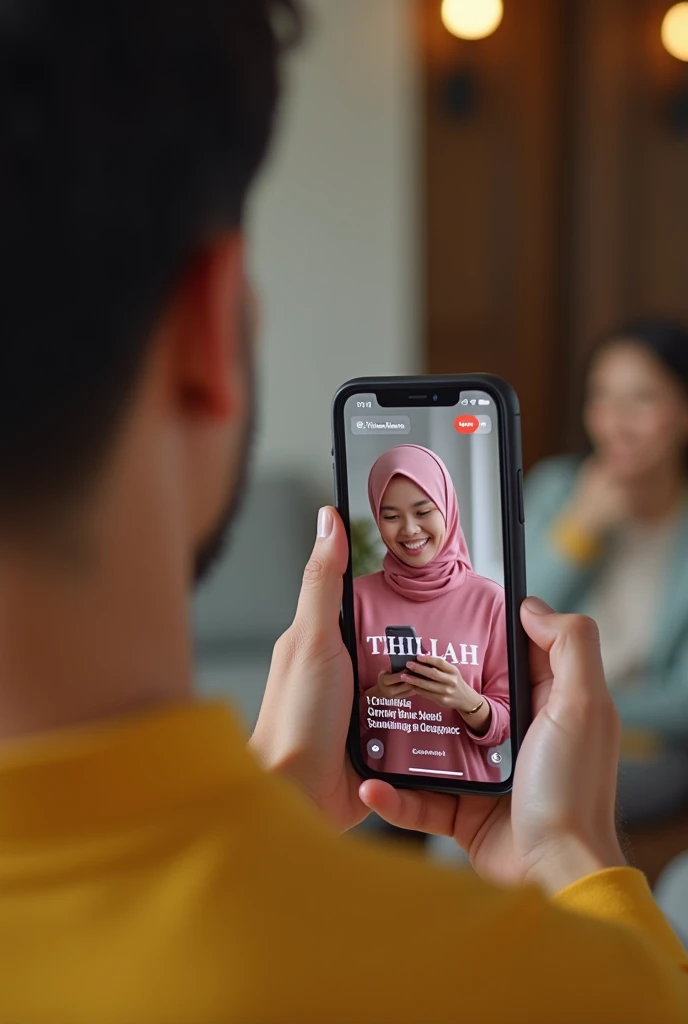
(375, 748)
(360, 424)
(496, 758)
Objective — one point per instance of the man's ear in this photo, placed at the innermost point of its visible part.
(208, 320)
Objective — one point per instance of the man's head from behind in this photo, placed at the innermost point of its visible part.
(130, 135)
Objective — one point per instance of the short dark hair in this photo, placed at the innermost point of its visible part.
(130, 133)
(663, 338)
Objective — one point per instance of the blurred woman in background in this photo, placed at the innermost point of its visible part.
(608, 536)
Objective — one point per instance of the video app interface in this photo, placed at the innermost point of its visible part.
(429, 606)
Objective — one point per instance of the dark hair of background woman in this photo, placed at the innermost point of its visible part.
(663, 338)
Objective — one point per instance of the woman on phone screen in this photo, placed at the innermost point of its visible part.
(448, 710)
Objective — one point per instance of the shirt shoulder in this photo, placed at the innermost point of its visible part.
(307, 889)
(482, 586)
(370, 584)
(228, 881)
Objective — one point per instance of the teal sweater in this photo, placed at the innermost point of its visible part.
(661, 704)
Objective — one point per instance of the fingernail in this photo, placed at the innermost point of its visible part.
(325, 523)
(536, 606)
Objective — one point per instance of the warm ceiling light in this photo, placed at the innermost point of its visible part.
(675, 31)
(475, 19)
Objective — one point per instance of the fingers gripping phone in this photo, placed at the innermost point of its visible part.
(428, 480)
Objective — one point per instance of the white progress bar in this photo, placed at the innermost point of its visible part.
(433, 771)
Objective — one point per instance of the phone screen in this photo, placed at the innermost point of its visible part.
(429, 611)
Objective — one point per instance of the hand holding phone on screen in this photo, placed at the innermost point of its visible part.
(438, 681)
(391, 685)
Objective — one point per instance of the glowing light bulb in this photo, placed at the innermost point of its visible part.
(675, 31)
(475, 19)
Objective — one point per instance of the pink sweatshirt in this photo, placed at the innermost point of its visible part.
(466, 627)
(457, 615)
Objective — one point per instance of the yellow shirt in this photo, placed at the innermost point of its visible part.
(150, 872)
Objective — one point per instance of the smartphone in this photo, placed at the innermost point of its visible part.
(429, 483)
(402, 647)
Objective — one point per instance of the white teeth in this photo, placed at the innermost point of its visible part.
(415, 545)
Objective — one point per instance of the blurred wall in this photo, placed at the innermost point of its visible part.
(492, 204)
(334, 253)
(334, 229)
(555, 199)
(628, 209)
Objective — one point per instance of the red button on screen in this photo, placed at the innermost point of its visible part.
(466, 424)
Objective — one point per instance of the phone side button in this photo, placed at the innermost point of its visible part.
(521, 504)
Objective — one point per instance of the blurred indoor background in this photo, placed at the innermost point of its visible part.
(447, 204)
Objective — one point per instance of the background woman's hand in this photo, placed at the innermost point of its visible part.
(442, 682)
(599, 502)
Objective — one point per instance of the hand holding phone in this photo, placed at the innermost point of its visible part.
(305, 713)
(430, 469)
(390, 685)
(564, 795)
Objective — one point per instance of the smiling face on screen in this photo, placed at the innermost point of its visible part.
(411, 525)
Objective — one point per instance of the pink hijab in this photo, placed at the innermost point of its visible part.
(448, 568)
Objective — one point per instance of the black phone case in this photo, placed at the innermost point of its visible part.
(511, 484)
(398, 662)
